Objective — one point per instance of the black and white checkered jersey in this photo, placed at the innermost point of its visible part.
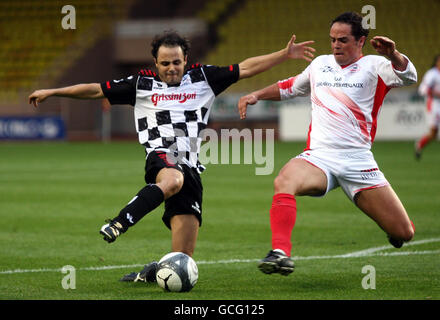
(170, 118)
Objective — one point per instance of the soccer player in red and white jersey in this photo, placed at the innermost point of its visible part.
(430, 88)
(347, 90)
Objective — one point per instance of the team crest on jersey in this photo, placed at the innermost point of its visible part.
(326, 69)
(354, 68)
(157, 85)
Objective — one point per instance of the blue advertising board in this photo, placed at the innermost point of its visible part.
(32, 128)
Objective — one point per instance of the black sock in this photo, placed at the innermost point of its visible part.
(147, 199)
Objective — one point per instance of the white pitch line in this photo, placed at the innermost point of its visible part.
(371, 252)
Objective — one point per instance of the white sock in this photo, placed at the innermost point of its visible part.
(280, 251)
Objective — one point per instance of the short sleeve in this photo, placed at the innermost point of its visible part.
(295, 86)
(427, 83)
(395, 78)
(121, 91)
(220, 78)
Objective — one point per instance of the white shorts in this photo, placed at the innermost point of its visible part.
(434, 114)
(354, 171)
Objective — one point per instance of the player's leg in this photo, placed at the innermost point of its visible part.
(164, 180)
(183, 213)
(184, 231)
(434, 122)
(183, 216)
(184, 227)
(385, 208)
(425, 140)
(297, 177)
(170, 181)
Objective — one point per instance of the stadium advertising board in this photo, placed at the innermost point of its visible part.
(397, 121)
(32, 128)
(225, 108)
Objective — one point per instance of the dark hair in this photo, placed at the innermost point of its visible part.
(355, 20)
(170, 39)
(434, 64)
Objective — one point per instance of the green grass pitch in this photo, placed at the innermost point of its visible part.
(54, 197)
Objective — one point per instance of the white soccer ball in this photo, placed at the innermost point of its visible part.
(177, 272)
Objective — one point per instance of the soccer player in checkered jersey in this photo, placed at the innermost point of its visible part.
(347, 90)
(430, 88)
(171, 108)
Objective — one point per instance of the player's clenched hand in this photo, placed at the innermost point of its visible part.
(39, 96)
(300, 50)
(243, 103)
(383, 45)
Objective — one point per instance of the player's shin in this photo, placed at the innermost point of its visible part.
(423, 142)
(282, 221)
(147, 199)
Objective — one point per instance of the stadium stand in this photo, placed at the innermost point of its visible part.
(261, 26)
(213, 10)
(36, 50)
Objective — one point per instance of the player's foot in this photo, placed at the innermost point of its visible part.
(417, 152)
(111, 230)
(395, 243)
(276, 262)
(147, 274)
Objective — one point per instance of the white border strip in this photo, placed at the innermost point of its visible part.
(371, 252)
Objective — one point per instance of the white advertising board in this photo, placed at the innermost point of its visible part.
(396, 121)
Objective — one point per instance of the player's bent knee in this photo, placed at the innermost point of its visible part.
(282, 184)
(171, 184)
(175, 185)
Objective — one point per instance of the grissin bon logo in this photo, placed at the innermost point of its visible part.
(180, 97)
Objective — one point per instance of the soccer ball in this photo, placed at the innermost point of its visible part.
(177, 272)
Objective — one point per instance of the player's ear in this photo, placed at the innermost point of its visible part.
(185, 60)
(362, 41)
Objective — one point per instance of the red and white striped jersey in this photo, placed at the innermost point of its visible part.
(430, 82)
(345, 99)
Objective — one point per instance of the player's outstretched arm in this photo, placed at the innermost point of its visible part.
(387, 47)
(79, 91)
(271, 92)
(256, 65)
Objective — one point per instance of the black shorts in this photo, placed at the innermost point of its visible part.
(189, 199)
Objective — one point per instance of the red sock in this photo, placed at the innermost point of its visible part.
(282, 221)
(423, 142)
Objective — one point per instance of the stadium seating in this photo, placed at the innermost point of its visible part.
(35, 49)
(213, 10)
(261, 26)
